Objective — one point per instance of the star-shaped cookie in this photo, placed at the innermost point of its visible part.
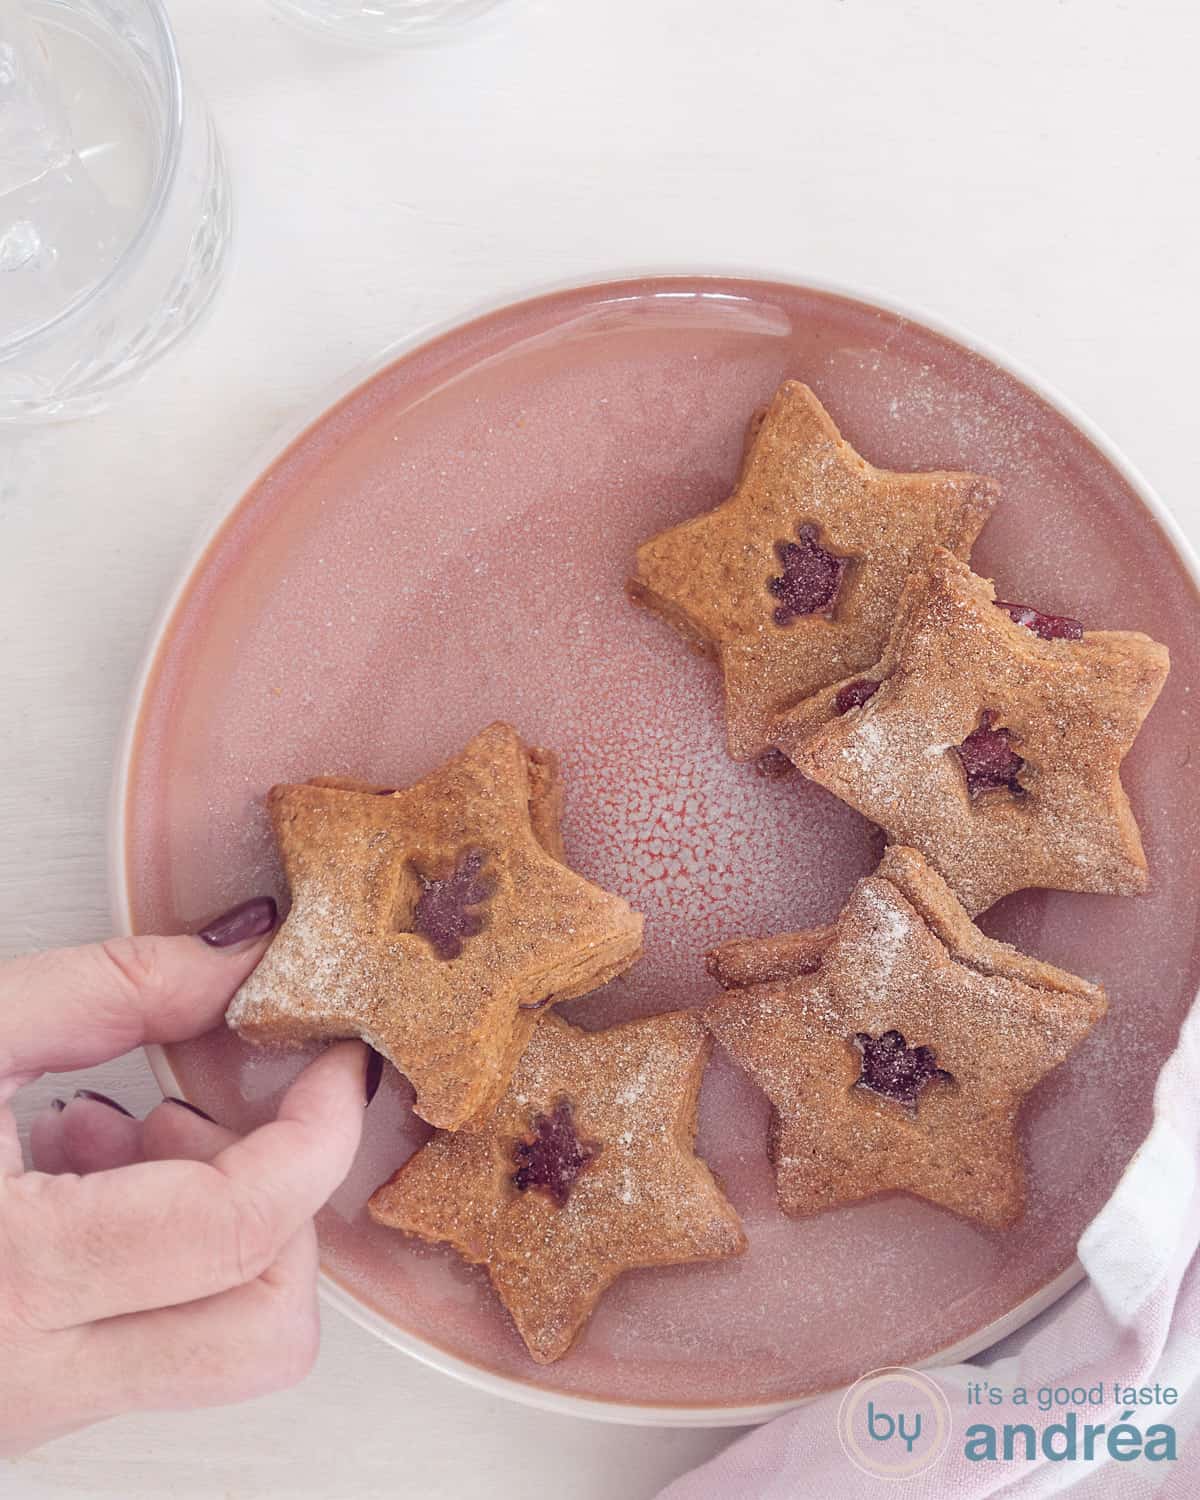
(991, 745)
(901, 1060)
(435, 922)
(586, 1170)
(793, 582)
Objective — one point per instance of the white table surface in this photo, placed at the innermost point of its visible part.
(1026, 170)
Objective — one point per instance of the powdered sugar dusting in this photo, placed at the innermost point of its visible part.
(1028, 795)
(327, 632)
(891, 929)
(319, 959)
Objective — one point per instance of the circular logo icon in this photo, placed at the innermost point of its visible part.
(894, 1422)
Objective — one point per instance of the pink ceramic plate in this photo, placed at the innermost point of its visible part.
(447, 545)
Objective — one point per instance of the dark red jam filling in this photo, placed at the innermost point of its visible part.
(896, 1071)
(538, 1004)
(855, 694)
(447, 908)
(810, 579)
(1049, 627)
(554, 1158)
(988, 758)
(773, 765)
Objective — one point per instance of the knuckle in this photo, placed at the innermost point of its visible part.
(282, 1351)
(22, 1307)
(299, 1352)
(254, 1236)
(30, 1300)
(297, 1340)
(135, 966)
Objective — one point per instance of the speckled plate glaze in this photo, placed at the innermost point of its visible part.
(447, 545)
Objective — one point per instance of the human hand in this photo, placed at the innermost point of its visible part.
(162, 1263)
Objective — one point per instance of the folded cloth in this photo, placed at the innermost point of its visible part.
(1134, 1322)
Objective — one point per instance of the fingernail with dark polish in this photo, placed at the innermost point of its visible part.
(103, 1099)
(58, 1105)
(374, 1073)
(252, 919)
(195, 1108)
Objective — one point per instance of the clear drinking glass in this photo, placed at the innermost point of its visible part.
(418, 23)
(114, 202)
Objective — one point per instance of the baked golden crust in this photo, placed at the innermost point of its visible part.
(1071, 710)
(641, 1198)
(351, 959)
(786, 955)
(904, 958)
(711, 577)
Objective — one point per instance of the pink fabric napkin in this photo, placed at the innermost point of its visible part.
(1136, 1320)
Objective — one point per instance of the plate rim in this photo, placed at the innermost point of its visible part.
(284, 437)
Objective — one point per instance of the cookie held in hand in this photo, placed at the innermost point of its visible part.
(793, 582)
(897, 1047)
(992, 740)
(586, 1170)
(435, 922)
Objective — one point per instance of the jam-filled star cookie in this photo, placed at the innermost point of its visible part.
(584, 1171)
(793, 582)
(990, 737)
(435, 922)
(899, 1062)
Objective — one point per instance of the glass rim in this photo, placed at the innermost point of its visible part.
(303, 13)
(160, 190)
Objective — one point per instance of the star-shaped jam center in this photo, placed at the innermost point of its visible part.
(811, 577)
(447, 910)
(855, 694)
(555, 1156)
(895, 1070)
(1049, 627)
(988, 759)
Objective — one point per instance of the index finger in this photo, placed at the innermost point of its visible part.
(76, 1249)
(75, 1007)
